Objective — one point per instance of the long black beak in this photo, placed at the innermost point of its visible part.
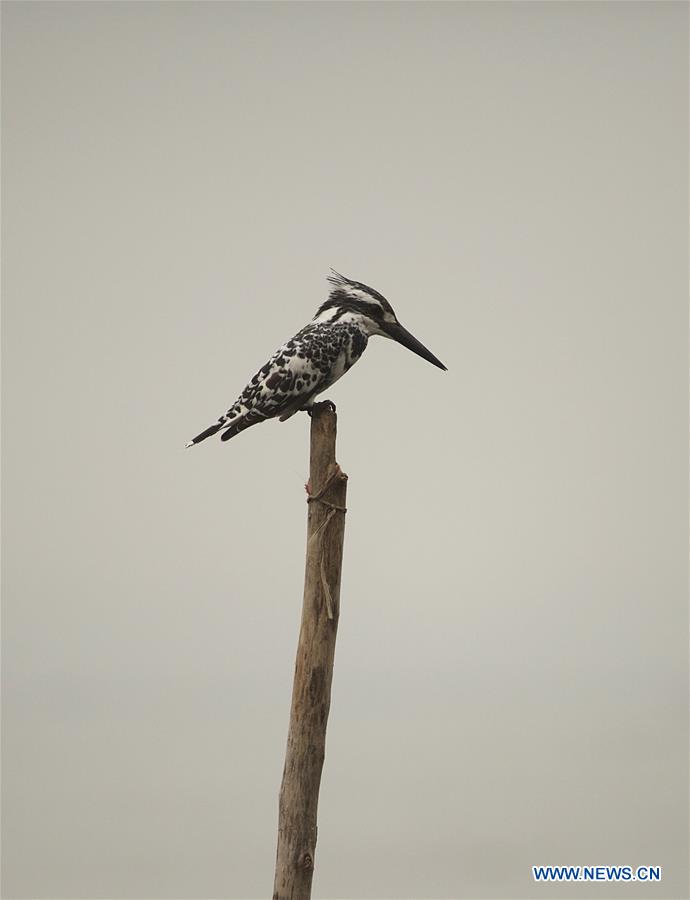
(403, 336)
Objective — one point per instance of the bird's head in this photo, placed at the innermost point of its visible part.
(352, 301)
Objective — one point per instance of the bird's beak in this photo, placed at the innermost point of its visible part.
(395, 331)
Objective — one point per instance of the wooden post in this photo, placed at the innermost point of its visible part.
(311, 692)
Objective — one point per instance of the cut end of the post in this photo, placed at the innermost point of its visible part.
(324, 429)
(324, 416)
(323, 407)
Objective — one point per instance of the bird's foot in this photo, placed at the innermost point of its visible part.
(318, 407)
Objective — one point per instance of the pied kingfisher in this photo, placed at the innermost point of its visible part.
(316, 357)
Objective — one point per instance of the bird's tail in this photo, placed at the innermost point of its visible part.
(205, 434)
(232, 424)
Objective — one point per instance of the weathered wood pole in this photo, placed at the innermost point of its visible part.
(311, 691)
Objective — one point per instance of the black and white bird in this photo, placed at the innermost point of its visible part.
(316, 357)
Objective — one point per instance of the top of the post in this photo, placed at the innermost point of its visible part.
(324, 422)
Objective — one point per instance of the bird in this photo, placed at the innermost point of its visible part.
(316, 357)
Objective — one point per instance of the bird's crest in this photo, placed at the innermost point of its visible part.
(356, 290)
(339, 281)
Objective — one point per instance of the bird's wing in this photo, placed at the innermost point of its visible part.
(296, 372)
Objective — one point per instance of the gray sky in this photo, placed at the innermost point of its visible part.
(511, 671)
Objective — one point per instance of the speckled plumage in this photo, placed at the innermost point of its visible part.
(310, 362)
(305, 366)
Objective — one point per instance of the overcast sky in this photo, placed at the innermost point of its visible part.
(511, 671)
